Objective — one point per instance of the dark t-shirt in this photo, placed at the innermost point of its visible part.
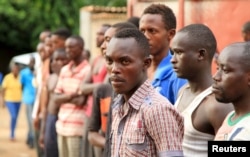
(102, 92)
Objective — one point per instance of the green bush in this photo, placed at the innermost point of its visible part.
(23, 20)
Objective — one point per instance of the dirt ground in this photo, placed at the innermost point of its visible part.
(17, 148)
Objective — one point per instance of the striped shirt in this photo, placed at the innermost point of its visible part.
(237, 130)
(150, 127)
(71, 117)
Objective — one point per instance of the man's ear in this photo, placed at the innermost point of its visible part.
(248, 79)
(147, 62)
(171, 34)
(202, 53)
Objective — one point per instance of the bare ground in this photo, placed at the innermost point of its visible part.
(17, 148)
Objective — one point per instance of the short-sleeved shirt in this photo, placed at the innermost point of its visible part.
(71, 117)
(238, 130)
(12, 87)
(101, 104)
(151, 126)
(27, 79)
(166, 80)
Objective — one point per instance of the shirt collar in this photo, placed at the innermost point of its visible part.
(79, 67)
(141, 96)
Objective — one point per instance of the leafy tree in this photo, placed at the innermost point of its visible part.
(23, 20)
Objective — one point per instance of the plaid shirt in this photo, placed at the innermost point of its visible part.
(151, 126)
(71, 117)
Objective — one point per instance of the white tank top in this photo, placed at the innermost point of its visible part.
(195, 143)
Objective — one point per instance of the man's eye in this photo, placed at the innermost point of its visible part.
(152, 31)
(108, 61)
(125, 62)
(143, 31)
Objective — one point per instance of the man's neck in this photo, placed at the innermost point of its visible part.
(78, 60)
(156, 59)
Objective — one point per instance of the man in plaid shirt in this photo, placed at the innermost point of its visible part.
(144, 123)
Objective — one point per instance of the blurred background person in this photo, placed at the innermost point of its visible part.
(12, 95)
(246, 31)
(48, 135)
(27, 79)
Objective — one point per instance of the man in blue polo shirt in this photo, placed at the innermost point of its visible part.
(28, 96)
(158, 23)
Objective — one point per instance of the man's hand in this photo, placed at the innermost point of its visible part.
(36, 123)
(2, 104)
(78, 100)
(41, 140)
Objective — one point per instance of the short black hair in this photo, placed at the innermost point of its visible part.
(245, 48)
(63, 33)
(106, 25)
(202, 37)
(123, 25)
(134, 20)
(79, 39)
(167, 14)
(140, 38)
(246, 27)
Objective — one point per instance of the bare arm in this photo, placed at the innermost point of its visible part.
(96, 139)
(217, 112)
(2, 92)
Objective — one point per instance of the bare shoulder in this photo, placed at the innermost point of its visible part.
(216, 107)
(216, 111)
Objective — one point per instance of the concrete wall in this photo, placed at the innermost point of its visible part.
(91, 19)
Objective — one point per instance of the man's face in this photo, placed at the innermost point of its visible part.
(58, 61)
(154, 29)
(48, 46)
(41, 50)
(184, 58)
(107, 37)
(230, 80)
(57, 42)
(73, 48)
(100, 36)
(125, 65)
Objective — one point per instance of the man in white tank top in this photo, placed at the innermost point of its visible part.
(194, 47)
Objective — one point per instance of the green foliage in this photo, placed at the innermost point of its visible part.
(23, 20)
(117, 3)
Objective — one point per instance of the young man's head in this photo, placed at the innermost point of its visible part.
(127, 65)
(48, 47)
(193, 47)
(58, 60)
(100, 34)
(246, 31)
(158, 23)
(74, 47)
(43, 35)
(59, 37)
(32, 63)
(232, 79)
(15, 69)
(40, 48)
(112, 30)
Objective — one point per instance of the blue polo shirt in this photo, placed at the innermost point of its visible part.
(28, 89)
(166, 80)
